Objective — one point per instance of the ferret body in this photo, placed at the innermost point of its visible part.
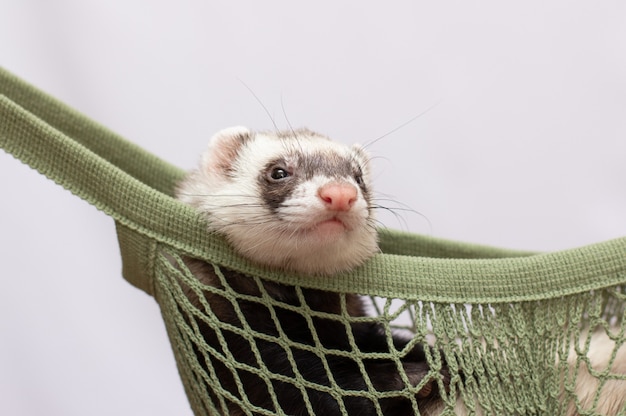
(299, 202)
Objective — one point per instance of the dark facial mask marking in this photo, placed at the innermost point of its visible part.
(302, 168)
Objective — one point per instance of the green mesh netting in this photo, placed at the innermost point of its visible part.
(509, 332)
(505, 358)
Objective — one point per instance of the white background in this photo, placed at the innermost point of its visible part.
(525, 149)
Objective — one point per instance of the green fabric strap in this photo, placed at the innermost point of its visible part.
(135, 188)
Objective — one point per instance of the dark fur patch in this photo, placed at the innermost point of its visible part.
(303, 167)
(241, 292)
(325, 164)
(275, 192)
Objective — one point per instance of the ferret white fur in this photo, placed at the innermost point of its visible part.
(303, 234)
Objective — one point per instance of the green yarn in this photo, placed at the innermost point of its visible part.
(506, 321)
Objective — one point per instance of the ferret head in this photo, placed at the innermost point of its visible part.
(292, 200)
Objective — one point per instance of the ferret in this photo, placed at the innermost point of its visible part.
(295, 201)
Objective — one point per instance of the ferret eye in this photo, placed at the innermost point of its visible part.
(278, 174)
(358, 177)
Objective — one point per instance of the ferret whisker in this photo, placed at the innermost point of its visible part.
(398, 209)
(231, 224)
(372, 158)
(405, 207)
(395, 201)
(389, 198)
(219, 195)
(409, 121)
(401, 220)
(376, 224)
(282, 106)
(293, 131)
(237, 205)
(261, 103)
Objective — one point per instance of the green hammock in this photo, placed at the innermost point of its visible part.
(504, 320)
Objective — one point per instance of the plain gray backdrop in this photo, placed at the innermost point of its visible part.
(524, 146)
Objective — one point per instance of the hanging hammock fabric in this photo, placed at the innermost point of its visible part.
(505, 322)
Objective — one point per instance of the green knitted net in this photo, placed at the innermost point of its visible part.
(521, 357)
(509, 332)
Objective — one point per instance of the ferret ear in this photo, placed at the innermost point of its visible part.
(224, 147)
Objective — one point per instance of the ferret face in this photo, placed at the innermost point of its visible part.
(290, 200)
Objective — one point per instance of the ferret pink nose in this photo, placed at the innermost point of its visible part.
(338, 196)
